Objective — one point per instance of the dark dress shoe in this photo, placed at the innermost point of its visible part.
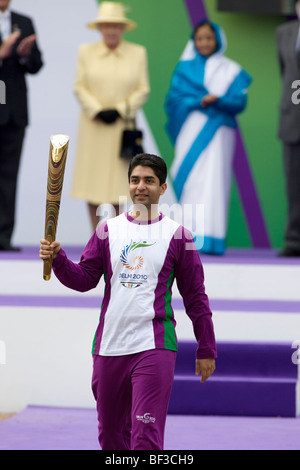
(9, 248)
(289, 252)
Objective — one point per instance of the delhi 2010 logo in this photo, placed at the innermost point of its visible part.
(133, 262)
(128, 259)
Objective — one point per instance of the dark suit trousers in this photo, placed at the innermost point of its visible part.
(11, 140)
(292, 174)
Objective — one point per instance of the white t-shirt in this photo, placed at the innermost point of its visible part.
(139, 262)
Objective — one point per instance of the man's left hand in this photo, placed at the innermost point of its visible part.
(25, 46)
(205, 367)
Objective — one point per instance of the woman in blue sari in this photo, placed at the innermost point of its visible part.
(207, 91)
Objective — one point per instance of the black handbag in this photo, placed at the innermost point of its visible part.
(132, 139)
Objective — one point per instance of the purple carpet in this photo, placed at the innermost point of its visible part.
(76, 429)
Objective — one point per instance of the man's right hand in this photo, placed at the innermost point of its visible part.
(47, 250)
(7, 45)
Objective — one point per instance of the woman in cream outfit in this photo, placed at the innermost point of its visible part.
(111, 80)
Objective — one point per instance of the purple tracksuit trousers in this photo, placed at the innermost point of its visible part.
(132, 394)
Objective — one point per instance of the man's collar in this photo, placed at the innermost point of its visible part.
(5, 14)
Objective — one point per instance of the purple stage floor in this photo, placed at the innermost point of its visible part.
(38, 428)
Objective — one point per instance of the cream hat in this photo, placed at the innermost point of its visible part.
(112, 12)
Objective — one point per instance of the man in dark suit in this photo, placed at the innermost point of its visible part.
(19, 54)
(288, 44)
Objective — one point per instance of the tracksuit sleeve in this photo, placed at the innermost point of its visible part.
(190, 281)
(86, 274)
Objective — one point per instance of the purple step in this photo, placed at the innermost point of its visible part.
(242, 359)
(251, 379)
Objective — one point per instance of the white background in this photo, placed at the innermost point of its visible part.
(60, 26)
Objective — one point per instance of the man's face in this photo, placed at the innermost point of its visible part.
(145, 187)
(4, 4)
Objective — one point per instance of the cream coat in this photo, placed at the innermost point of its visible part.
(106, 79)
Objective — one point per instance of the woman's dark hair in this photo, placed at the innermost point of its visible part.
(157, 164)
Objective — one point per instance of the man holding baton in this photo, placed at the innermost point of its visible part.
(140, 253)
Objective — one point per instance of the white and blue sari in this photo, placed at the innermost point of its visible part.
(204, 139)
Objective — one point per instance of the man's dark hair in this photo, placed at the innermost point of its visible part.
(157, 164)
